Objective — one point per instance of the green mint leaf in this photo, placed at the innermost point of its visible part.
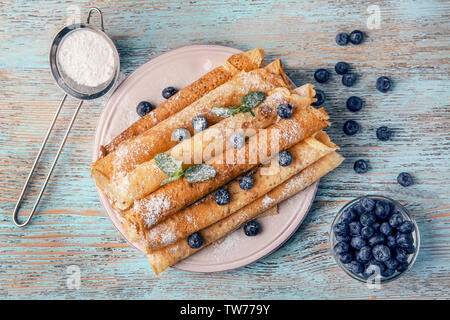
(199, 173)
(169, 165)
(174, 178)
(253, 99)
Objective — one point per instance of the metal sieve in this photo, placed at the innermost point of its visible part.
(71, 88)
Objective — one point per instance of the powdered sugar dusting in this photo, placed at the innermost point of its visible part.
(267, 201)
(153, 208)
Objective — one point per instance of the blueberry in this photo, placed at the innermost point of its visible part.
(364, 254)
(251, 228)
(401, 255)
(402, 267)
(199, 123)
(367, 232)
(357, 242)
(345, 257)
(222, 196)
(396, 220)
(144, 107)
(348, 216)
(284, 110)
(381, 252)
(356, 37)
(355, 267)
(195, 240)
(355, 228)
(382, 209)
(351, 127)
(341, 247)
(361, 166)
(349, 79)
(406, 227)
(404, 240)
(321, 75)
(405, 179)
(383, 84)
(391, 263)
(367, 219)
(246, 182)
(284, 158)
(358, 209)
(386, 228)
(373, 267)
(367, 204)
(410, 249)
(342, 39)
(391, 242)
(388, 272)
(376, 239)
(384, 133)
(180, 134)
(320, 96)
(341, 229)
(375, 262)
(376, 226)
(168, 92)
(344, 238)
(237, 140)
(354, 103)
(341, 67)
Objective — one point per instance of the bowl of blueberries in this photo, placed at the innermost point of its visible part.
(374, 236)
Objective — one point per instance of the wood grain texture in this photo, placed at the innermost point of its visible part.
(412, 47)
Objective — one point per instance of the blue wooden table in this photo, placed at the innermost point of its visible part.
(71, 232)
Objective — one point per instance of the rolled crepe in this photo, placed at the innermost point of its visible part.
(147, 177)
(159, 138)
(174, 196)
(207, 211)
(170, 255)
(246, 61)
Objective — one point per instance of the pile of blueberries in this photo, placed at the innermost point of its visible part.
(372, 236)
(355, 103)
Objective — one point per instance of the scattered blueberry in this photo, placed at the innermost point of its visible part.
(364, 254)
(284, 110)
(384, 133)
(354, 103)
(351, 127)
(367, 219)
(168, 92)
(321, 75)
(383, 84)
(361, 166)
(348, 216)
(376, 239)
(382, 209)
(342, 39)
(341, 229)
(222, 196)
(357, 242)
(237, 140)
(341, 247)
(386, 228)
(251, 228)
(396, 220)
(246, 182)
(356, 37)
(367, 232)
(199, 123)
(405, 179)
(341, 67)
(355, 228)
(401, 255)
(404, 240)
(180, 134)
(284, 158)
(391, 242)
(349, 79)
(367, 204)
(195, 240)
(345, 257)
(391, 263)
(344, 238)
(381, 252)
(355, 267)
(143, 108)
(406, 227)
(320, 96)
(402, 267)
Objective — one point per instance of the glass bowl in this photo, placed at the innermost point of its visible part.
(406, 217)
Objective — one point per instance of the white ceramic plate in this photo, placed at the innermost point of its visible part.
(178, 68)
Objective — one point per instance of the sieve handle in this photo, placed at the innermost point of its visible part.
(88, 20)
(36, 160)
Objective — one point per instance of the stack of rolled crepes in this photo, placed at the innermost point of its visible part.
(163, 216)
